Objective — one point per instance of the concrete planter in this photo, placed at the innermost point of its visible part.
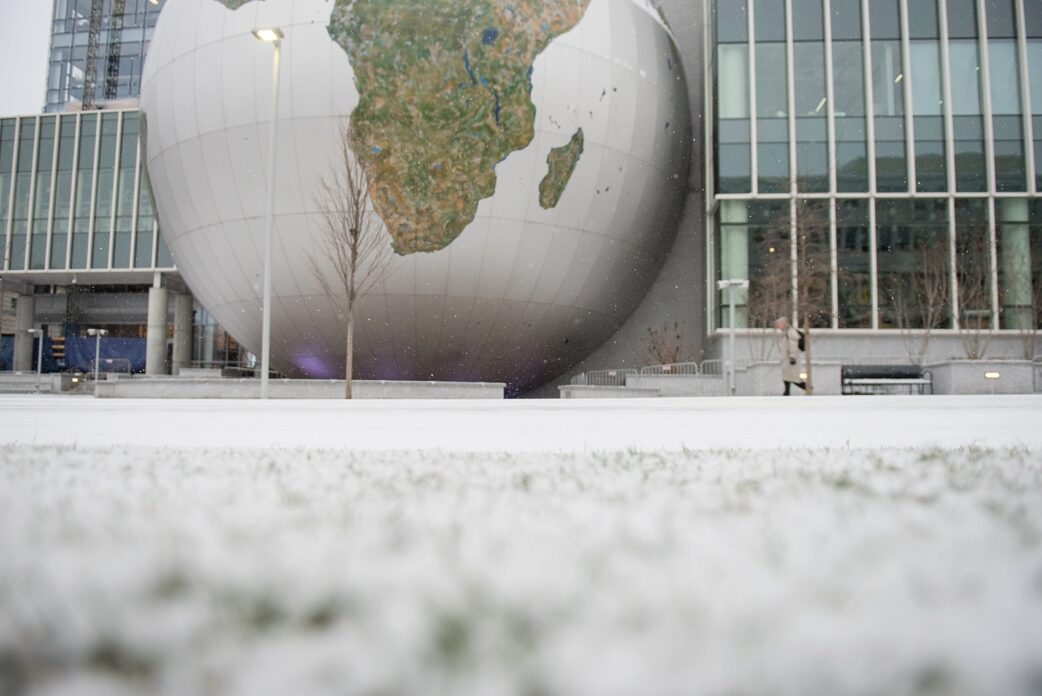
(582, 391)
(983, 377)
(170, 388)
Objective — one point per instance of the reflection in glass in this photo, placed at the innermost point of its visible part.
(912, 252)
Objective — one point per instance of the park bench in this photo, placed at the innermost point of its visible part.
(874, 379)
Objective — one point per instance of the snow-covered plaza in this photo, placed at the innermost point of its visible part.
(854, 545)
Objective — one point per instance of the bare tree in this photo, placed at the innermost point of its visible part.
(352, 243)
(665, 345)
(921, 305)
(974, 278)
(813, 273)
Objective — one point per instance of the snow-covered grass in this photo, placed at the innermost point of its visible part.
(302, 571)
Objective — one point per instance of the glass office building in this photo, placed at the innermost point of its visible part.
(122, 40)
(883, 157)
(74, 195)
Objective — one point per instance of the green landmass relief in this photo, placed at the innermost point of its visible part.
(560, 165)
(444, 96)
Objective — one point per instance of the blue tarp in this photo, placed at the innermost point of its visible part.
(79, 354)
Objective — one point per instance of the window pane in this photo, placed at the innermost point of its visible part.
(931, 168)
(1000, 19)
(968, 122)
(846, 19)
(854, 265)
(733, 137)
(922, 19)
(807, 22)
(884, 16)
(1010, 168)
(912, 251)
(962, 20)
(770, 20)
(973, 269)
(1018, 299)
(849, 94)
(732, 21)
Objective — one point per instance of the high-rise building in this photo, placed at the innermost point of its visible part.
(98, 50)
(885, 156)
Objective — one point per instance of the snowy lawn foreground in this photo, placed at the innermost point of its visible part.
(299, 572)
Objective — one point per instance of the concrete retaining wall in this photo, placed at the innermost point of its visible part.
(168, 388)
(680, 385)
(582, 391)
(28, 383)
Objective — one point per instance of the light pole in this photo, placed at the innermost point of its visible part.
(274, 36)
(97, 348)
(39, 357)
(733, 285)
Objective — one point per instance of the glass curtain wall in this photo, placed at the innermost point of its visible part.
(1006, 108)
(888, 99)
(912, 245)
(65, 173)
(733, 148)
(967, 110)
(1033, 32)
(854, 263)
(811, 97)
(772, 96)
(927, 232)
(931, 172)
(69, 37)
(848, 76)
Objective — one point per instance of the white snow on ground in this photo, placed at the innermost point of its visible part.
(765, 559)
(530, 426)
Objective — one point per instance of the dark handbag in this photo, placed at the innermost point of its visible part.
(802, 344)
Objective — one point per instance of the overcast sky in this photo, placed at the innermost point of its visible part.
(23, 55)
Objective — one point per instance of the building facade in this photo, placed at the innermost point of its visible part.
(876, 165)
(114, 35)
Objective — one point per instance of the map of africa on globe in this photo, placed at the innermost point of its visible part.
(460, 76)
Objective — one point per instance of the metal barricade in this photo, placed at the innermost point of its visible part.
(712, 368)
(603, 378)
(684, 368)
(107, 366)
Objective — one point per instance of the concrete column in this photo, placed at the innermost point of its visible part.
(182, 333)
(1015, 264)
(155, 347)
(23, 340)
(734, 258)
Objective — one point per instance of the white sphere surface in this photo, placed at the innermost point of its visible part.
(522, 293)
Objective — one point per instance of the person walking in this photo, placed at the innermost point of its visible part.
(790, 355)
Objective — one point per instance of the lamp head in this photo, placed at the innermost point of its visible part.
(268, 34)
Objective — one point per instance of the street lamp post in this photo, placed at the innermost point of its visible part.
(39, 357)
(733, 285)
(98, 333)
(274, 36)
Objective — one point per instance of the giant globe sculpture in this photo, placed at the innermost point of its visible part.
(528, 159)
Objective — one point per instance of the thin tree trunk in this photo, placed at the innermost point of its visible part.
(809, 390)
(349, 359)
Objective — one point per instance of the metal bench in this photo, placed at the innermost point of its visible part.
(875, 379)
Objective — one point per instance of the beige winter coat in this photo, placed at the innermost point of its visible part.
(790, 356)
